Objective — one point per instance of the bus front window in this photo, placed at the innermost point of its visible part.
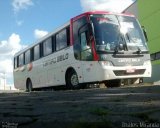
(132, 32)
(106, 30)
(112, 31)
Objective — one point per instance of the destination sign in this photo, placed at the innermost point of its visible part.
(56, 59)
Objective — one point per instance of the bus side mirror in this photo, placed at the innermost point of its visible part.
(145, 33)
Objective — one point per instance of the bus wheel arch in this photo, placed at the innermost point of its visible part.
(71, 77)
(29, 86)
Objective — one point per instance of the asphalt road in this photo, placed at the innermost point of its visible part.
(128, 107)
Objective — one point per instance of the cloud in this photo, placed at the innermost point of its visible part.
(7, 50)
(6, 65)
(39, 33)
(105, 5)
(21, 5)
(10, 46)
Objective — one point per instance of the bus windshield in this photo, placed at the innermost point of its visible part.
(112, 31)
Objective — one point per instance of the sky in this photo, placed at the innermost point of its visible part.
(22, 22)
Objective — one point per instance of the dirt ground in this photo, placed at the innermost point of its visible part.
(127, 107)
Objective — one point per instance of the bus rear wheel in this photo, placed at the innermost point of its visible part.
(29, 86)
(72, 80)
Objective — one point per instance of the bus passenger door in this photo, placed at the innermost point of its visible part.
(86, 54)
(83, 53)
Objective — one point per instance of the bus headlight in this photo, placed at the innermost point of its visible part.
(105, 63)
(148, 62)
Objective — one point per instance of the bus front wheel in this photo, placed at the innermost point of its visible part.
(72, 80)
(29, 86)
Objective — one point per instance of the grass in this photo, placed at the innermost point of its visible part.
(96, 111)
(145, 117)
(117, 100)
(99, 111)
(91, 125)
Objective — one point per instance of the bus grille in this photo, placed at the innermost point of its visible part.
(125, 73)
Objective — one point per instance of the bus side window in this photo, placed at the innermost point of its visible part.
(36, 52)
(21, 60)
(27, 57)
(61, 40)
(47, 47)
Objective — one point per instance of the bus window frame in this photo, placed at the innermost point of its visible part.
(15, 62)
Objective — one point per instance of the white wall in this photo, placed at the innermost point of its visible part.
(133, 9)
(155, 75)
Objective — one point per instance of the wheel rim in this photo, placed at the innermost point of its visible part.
(74, 80)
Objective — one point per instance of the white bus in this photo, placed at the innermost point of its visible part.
(94, 47)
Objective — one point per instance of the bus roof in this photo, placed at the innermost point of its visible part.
(101, 12)
(107, 12)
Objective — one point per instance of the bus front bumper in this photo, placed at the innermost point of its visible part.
(109, 72)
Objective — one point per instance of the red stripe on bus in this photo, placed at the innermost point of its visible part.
(95, 56)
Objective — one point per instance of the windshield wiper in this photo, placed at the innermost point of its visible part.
(116, 49)
(139, 50)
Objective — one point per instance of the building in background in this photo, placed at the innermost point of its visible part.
(149, 16)
(133, 9)
(148, 13)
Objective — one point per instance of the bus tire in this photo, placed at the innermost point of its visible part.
(72, 81)
(29, 87)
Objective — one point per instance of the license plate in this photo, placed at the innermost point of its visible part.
(130, 70)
